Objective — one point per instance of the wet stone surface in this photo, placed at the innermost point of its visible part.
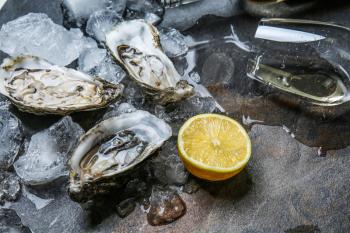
(286, 187)
(315, 126)
(283, 187)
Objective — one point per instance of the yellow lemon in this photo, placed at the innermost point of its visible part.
(213, 147)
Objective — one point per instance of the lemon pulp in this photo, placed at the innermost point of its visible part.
(213, 147)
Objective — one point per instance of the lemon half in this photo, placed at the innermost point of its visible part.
(213, 147)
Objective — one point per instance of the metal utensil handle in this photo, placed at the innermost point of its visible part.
(176, 3)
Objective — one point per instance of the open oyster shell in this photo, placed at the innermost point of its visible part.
(135, 44)
(111, 149)
(37, 86)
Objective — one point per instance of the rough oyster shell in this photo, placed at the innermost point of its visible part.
(35, 85)
(135, 44)
(111, 149)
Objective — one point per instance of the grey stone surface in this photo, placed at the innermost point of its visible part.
(286, 187)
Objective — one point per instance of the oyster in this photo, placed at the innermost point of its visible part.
(135, 44)
(37, 86)
(111, 149)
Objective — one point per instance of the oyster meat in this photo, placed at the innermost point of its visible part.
(37, 86)
(135, 44)
(111, 149)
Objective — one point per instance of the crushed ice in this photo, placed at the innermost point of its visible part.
(249, 121)
(149, 10)
(98, 63)
(36, 34)
(37, 201)
(78, 11)
(167, 166)
(173, 42)
(46, 157)
(10, 187)
(285, 128)
(101, 22)
(11, 138)
(118, 109)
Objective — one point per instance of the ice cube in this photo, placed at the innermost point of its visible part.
(37, 201)
(35, 34)
(87, 42)
(116, 110)
(177, 113)
(46, 157)
(77, 12)
(11, 138)
(134, 94)
(249, 121)
(97, 62)
(195, 77)
(167, 166)
(203, 92)
(150, 10)
(102, 22)
(186, 16)
(91, 58)
(191, 186)
(152, 18)
(173, 42)
(59, 215)
(166, 206)
(10, 187)
(10, 222)
(4, 103)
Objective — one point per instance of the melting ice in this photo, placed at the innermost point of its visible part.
(36, 34)
(97, 62)
(79, 11)
(173, 42)
(101, 22)
(46, 157)
(11, 138)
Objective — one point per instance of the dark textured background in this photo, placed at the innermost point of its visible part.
(287, 186)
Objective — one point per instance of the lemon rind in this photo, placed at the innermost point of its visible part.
(201, 165)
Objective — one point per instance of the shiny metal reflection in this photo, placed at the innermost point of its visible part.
(176, 3)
